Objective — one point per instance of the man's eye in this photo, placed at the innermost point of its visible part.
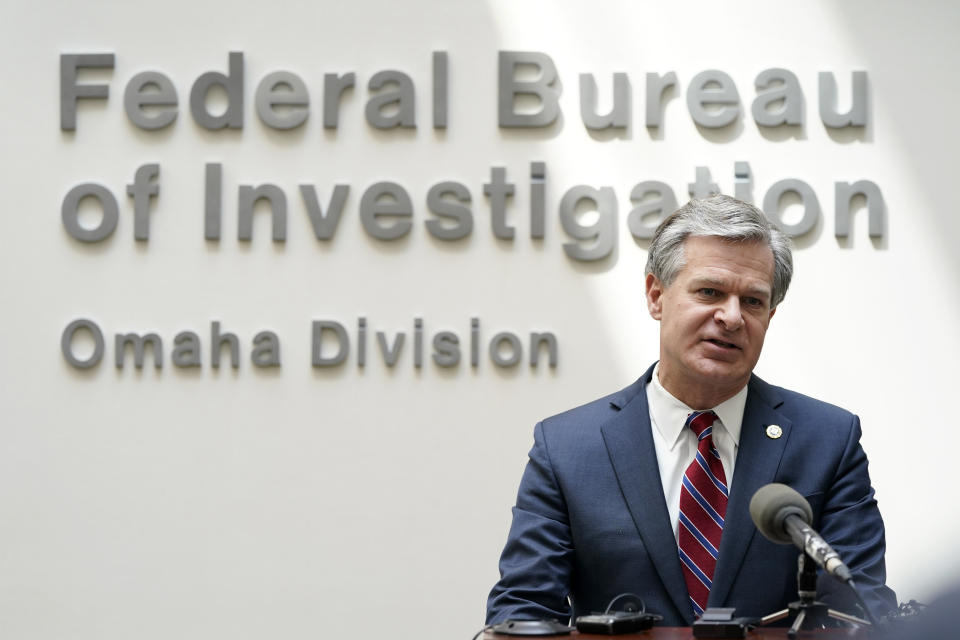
(710, 293)
(753, 302)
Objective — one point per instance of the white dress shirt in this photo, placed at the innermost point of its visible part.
(676, 446)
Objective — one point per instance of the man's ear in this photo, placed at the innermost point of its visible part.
(654, 295)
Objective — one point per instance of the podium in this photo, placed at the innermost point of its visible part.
(685, 633)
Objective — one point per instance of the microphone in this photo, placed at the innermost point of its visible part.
(783, 516)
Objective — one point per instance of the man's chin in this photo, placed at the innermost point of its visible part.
(719, 373)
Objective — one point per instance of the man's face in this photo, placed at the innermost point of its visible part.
(713, 318)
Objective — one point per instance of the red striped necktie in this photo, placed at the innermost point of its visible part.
(703, 505)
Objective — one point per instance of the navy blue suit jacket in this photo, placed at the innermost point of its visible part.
(591, 520)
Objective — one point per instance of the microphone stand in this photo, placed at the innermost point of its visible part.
(811, 613)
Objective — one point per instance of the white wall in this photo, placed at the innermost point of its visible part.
(248, 504)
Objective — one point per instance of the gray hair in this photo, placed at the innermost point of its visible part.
(722, 217)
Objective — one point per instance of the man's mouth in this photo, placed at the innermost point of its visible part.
(721, 343)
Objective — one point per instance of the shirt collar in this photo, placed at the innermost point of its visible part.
(670, 414)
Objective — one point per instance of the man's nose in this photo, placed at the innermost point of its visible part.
(729, 314)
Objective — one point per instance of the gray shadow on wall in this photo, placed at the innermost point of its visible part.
(927, 134)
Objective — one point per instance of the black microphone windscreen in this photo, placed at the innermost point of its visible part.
(771, 505)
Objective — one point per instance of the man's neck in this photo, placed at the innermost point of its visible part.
(698, 397)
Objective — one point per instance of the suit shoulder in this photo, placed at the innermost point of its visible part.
(595, 413)
(813, 405)
(798, 404)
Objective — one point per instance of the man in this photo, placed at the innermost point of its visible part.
(647, 490)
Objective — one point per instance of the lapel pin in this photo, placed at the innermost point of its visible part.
(774, 431)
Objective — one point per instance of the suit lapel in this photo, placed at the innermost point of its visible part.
(758, 459)
(630, 446)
